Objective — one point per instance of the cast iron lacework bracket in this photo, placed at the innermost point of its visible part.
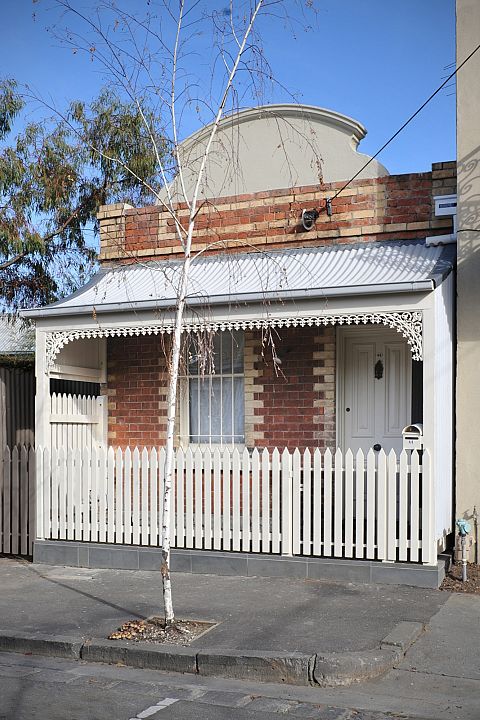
(408, 323)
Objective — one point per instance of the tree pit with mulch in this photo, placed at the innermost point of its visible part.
(153, 630)
(453, 579)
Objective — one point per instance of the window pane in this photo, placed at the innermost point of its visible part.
(237, 354)
(226, 359)
(227, 409)
(205, 408)
(193, 405)
(191, 357)
(239, 410)
(216, 405)
(215, 365)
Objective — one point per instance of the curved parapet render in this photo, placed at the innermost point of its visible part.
(274, 147)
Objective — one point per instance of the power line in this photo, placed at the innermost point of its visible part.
(452, 75)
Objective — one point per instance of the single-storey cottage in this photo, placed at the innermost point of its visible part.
(323, 290)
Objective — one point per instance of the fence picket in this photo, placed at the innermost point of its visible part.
(338, 513)
(226, 506)
(349, 515)
(382, 479)
(327, 503)
(102, 493)
(55, 493)
(307, 504)
(265, 500)
(403, 508)
(119, 493)
(144, 500)
(7, 489)
(24, 496)
(255, 490)
(179, 485)
(127, 496)
(86, 491)
(371, 505)
(154, 514)
(15, 500)
(161, 492)
(391, 506)
(207, 511)
(286, 490)
(110, 495)
(47, 471)
(236, 531)
(94, 536)
(136, 497)
(189, 497)
(199, 502)
(217, 499)
(276, 548)
(245, 500)
(414, 506)
(359, 504)
(65, 490)
(317, 502)
(296, 504)
(77, 493)
(34, 471)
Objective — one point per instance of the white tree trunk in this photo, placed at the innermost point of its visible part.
(173, 369)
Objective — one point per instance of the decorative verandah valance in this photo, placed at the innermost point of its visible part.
(408, 323)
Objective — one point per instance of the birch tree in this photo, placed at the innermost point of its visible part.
(195, 59)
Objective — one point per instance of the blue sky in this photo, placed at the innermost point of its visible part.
(374, 60)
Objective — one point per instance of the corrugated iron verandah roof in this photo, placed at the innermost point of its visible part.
(236, 283)
(226, 279)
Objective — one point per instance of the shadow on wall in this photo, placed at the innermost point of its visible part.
(468, 262)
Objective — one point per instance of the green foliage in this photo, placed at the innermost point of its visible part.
(54, 176)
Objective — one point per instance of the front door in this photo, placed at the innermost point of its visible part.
(375, 399)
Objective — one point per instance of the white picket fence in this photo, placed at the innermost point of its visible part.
(376, 507)
(17, 501)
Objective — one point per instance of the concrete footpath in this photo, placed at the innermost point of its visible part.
(273, 630)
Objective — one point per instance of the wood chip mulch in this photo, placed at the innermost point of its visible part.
(153, 631)
(453, 580)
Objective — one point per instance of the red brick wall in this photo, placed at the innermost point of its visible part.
(296, 406)
(136, 387)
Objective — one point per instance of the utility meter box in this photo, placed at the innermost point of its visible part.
(413, 437)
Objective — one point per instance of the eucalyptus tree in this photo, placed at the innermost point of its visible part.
(54, 176)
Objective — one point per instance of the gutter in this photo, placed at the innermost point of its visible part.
(234, 299)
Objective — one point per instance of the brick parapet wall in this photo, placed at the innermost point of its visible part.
(392, 207)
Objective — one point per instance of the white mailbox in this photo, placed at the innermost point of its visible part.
(413, 437)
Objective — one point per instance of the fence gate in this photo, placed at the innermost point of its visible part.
(77, 421)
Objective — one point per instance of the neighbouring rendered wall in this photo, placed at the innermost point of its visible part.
(468, 283)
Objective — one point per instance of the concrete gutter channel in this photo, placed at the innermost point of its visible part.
(322, 669)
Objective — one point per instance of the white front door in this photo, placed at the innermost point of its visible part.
(375, 392)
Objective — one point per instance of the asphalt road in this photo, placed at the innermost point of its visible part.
(40, 688)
